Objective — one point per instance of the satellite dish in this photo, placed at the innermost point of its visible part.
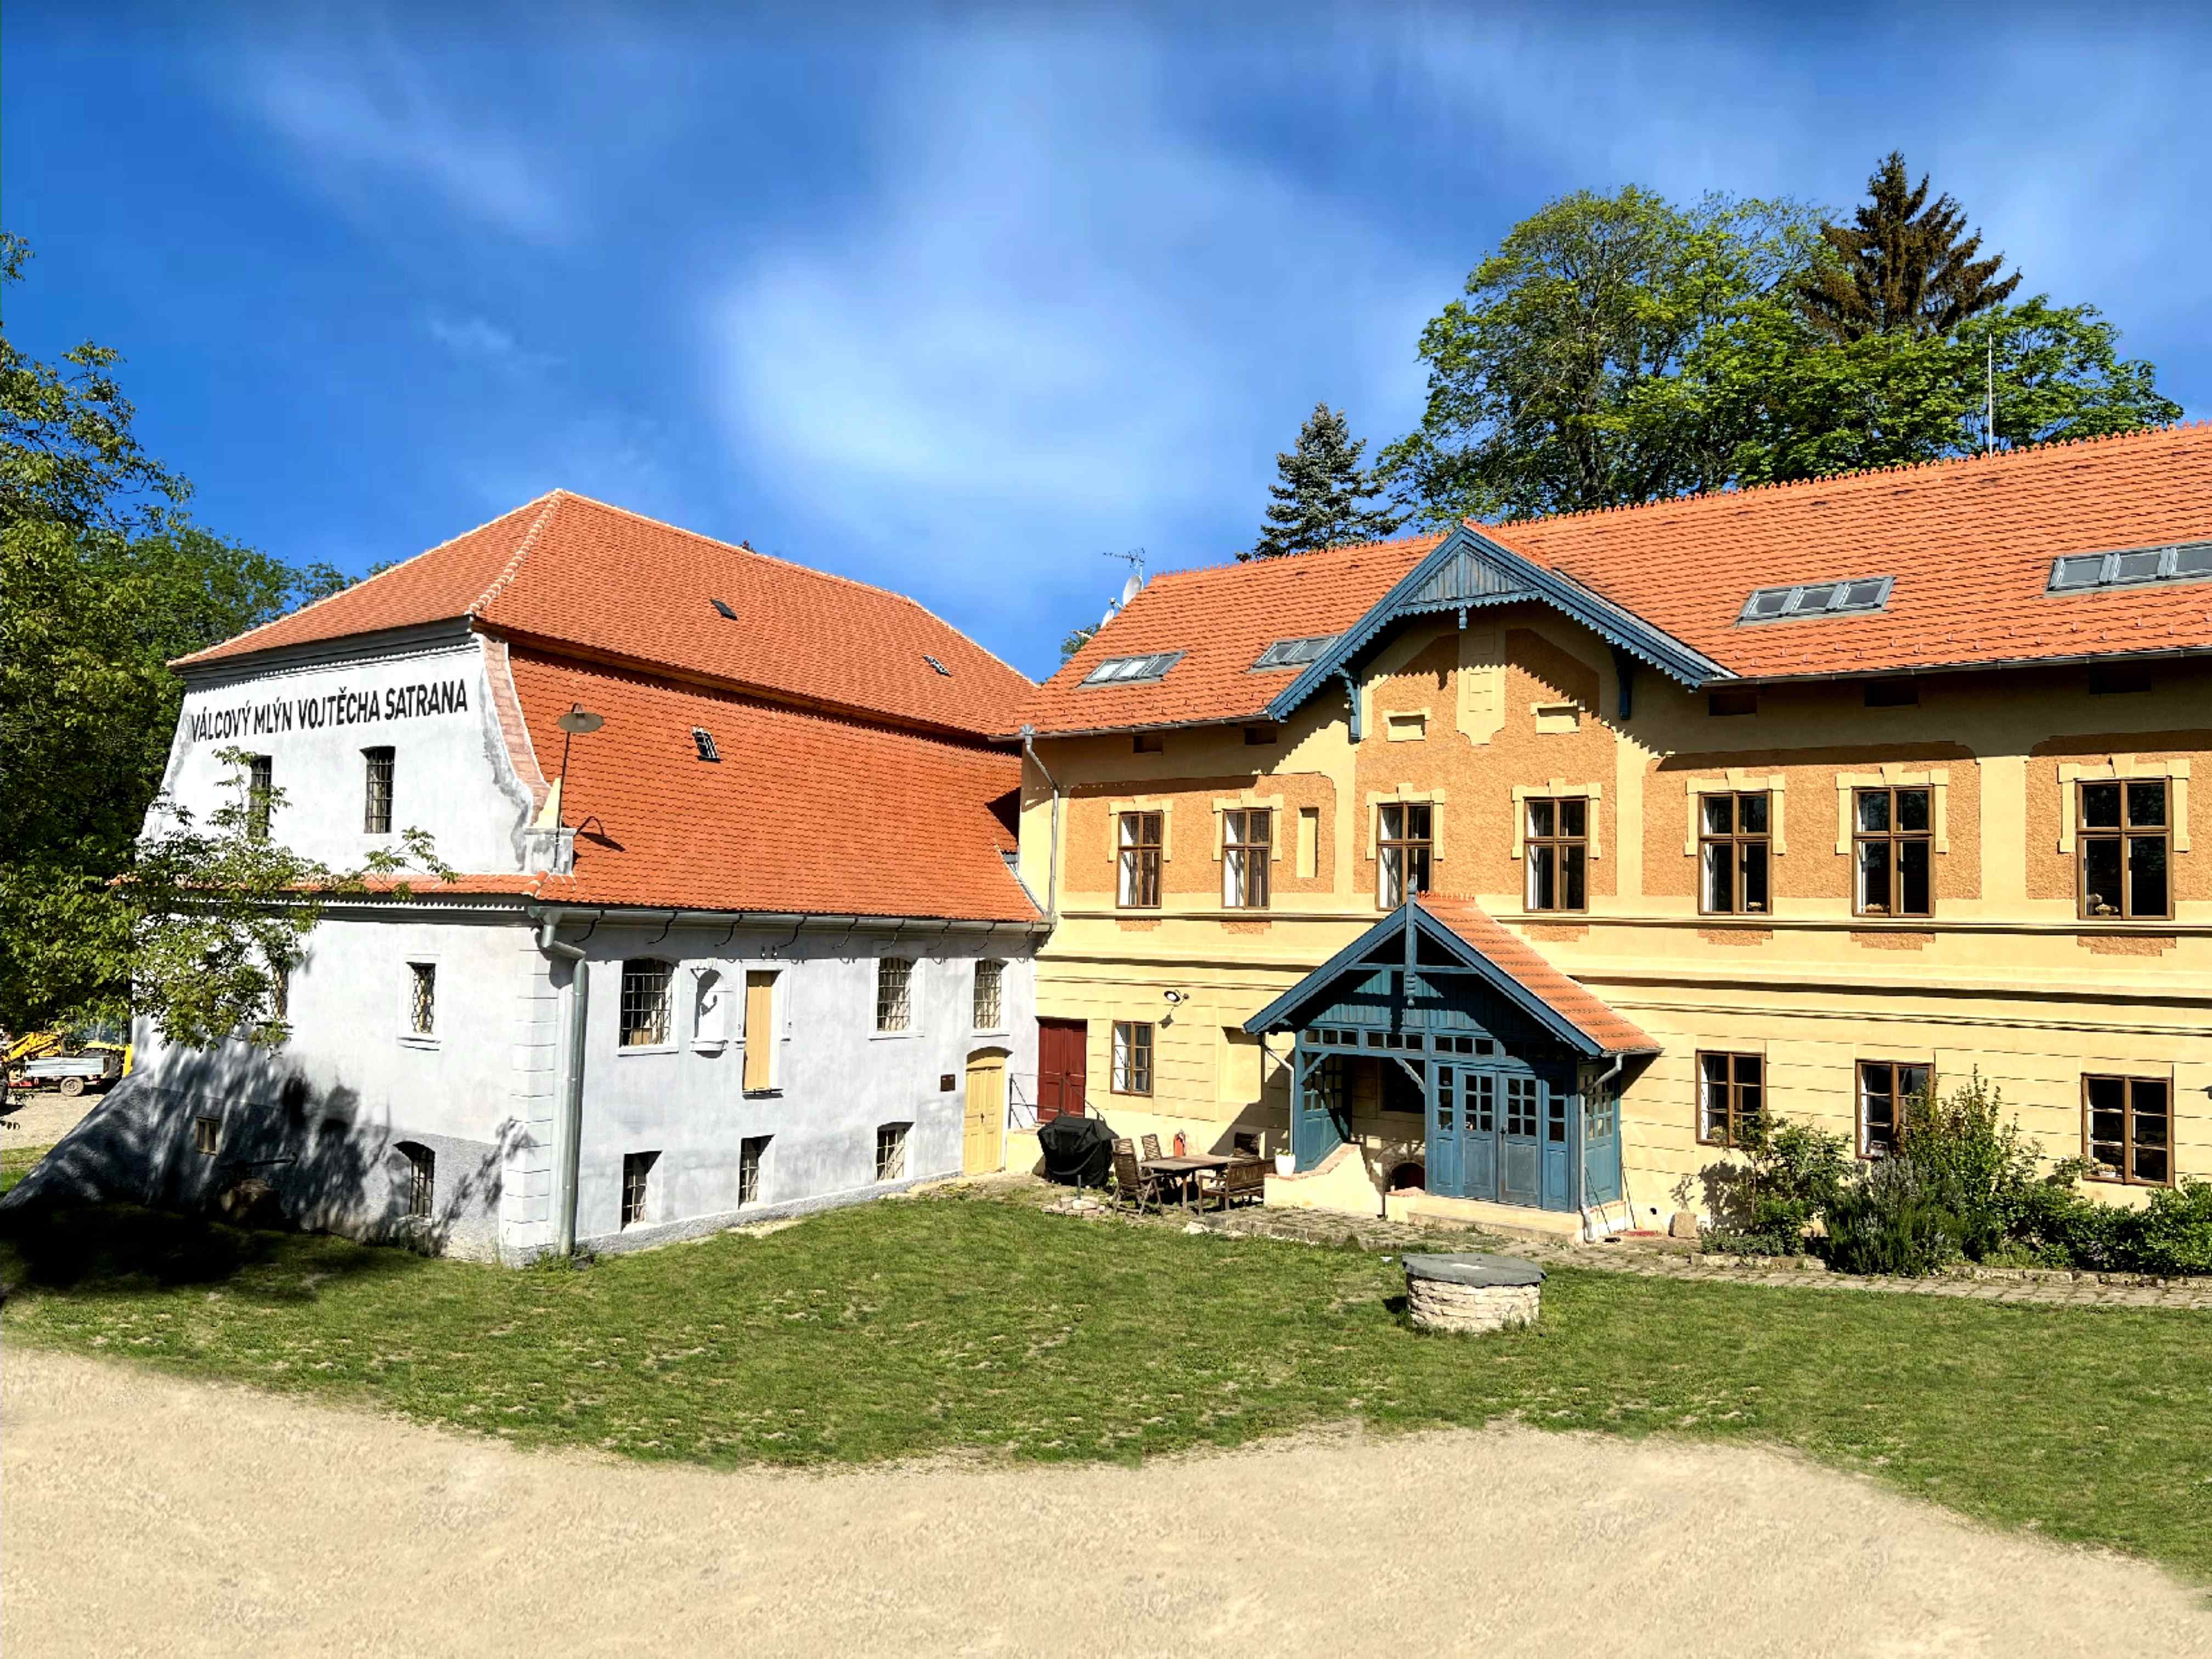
(1112, 611)
(578, 721)
(1132, 587)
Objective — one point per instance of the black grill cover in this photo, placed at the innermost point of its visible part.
(1079, 1151)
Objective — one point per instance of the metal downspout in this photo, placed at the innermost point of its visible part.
(568, 1157)
(1582, 1162)
(1052, 874)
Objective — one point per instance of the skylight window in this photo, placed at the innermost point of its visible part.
(1293, 654)
(704, 741)
(722, 605)
(1861, 594)
(937, 665)
(1126, 671)
(2135, 566)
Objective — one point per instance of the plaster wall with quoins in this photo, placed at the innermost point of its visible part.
(2004, 978)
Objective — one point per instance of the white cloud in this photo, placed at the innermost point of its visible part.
(376, 123)
(1060, 323)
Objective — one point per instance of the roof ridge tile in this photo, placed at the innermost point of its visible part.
(522, 548)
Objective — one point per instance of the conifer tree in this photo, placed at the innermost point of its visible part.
(1903, 265)
(1316, 498)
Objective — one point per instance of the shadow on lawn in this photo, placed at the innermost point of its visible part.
(102, 1247)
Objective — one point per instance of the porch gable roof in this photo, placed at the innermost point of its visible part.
(1512, 966)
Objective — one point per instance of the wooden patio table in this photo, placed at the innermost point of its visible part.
(1185, 1171)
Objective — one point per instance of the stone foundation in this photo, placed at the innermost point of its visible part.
(1472, 1293)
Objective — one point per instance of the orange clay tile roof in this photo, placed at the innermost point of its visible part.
(1515, 956)
(804, 813)
(1221, 619)
(573, 571)
(1970, 543)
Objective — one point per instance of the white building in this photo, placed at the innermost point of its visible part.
(755, 943)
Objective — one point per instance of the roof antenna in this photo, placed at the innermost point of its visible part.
(1989, 407)
(1134, 558)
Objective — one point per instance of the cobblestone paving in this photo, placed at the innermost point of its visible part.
(2039, 1286)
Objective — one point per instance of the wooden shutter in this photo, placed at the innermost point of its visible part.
(760, 1031)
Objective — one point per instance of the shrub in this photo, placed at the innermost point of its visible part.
(1888, 1221)
(1966, 1165)
(1790, 1175)
(2173, 1233)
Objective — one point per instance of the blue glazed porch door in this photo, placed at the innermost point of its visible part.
(1447, 1138)
(1601, 1147)
(1317, 1126)
(1559, 1146)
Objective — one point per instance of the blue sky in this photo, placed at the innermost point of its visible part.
(952, 300)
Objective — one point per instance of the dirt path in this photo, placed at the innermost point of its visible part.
(143, 1516)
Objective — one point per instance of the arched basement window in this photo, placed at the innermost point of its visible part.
(421, 1176)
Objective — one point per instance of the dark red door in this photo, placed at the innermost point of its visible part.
(1062, 1044)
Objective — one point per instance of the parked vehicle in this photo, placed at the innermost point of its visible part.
(88, 1057)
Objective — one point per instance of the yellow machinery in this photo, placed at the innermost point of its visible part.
(89, 1056)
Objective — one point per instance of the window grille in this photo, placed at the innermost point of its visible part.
(421, 1176)
(1133, 1057)
(1887, 1091)
(1139, 888)
(1894, 839)
(260, 794)
(1731, 1097)
(751, 1151)
(2122, 846)
(890, 1151)
(1408, 844)
(1248, 845)
(637, 1186)
(894, 993)
(645, 1000)
(1733, 847)
(1555, 832)
(376, 806)
(990, 995)
(421, 998)
(2127, 1130)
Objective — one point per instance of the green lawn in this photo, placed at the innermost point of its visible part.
(902, 1327)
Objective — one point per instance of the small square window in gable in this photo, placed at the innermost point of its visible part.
(1410, 726)
(1556, 716)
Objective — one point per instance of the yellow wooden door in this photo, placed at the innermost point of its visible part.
(760, 1032)
(983, 1145)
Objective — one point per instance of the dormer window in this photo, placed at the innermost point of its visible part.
(1858, 595)
(2136, 567)
(1294, 653)
(1130, 671)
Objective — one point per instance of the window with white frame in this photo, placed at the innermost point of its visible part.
(645, 983)
(422, 999)
(376, 804)
(990, 1009)
(1133, 1057)
(890, 1151)
(894, 995)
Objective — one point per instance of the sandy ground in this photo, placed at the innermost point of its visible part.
(42, 1117)
(143, 1516)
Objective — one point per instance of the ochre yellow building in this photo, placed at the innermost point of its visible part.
(1778, 801)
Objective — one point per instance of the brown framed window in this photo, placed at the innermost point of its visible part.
(260, 795)
(1731, 1097)
(1732, 846)
(1139, 843)
(890, 1151)
(1247, 841)
(1886, 1089)
(990, 1009)
(1133, 1057)
(2127, 1130)
(376, 804)
(1406, 840)
(2122, 831)
(645, 983)
(1894, 838)
(421, 1176)
(894, 993)
(637, 1187)
(1555, 832)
